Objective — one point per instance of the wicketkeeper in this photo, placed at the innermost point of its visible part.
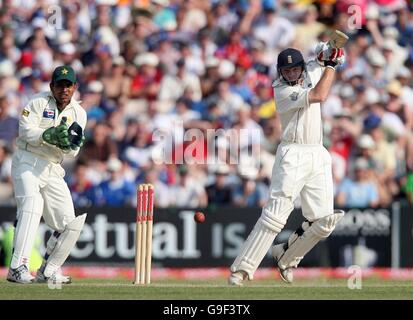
(302, 166)
(51, 127)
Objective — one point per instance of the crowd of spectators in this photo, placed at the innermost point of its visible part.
(167, 67)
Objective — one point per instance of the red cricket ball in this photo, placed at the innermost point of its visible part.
(199, 217)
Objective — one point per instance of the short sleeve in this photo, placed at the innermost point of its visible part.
(373, 193)
(345, 186)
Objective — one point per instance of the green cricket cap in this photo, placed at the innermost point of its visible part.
(64, 73)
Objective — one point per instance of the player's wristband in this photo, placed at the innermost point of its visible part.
(330, 64)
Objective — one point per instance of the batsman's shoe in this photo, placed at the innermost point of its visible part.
(237, 278)
(56, 277)
(287, 274)
(20, 275)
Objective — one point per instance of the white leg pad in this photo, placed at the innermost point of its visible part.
(60, 245)
(302, 241)
(28, 219)
(260, 239)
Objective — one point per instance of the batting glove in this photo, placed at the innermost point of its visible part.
(327, 56)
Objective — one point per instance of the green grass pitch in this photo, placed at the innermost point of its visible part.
(319, 289)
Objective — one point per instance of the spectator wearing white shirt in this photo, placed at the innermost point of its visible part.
(276, 32)
(404, 76)
(377, 76)
(184, 113)
(251, 128)
(395, 56)
(194, 64)
(8, 49)
(226, 19)
(173, 86)
(205, 47)
(188, 192)
(162, 191)
(397, 106)
(228, 102)
(308, 30)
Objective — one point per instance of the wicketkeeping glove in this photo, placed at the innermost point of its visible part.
(49, 135)
(76, 136)
(63, 135)
(58, 136)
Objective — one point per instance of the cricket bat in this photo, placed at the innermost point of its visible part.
(337, 39)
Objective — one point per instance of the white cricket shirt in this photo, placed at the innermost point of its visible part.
(300, 121)
(40, 114)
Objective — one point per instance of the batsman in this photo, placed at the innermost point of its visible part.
(51, 127)
(302, 166)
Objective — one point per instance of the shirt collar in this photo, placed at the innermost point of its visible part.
(70, 105)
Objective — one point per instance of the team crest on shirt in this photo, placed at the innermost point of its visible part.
(25, 113)
(48, 114)
(294, 96)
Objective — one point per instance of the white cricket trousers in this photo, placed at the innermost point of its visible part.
(40, 190)
(304, 170)
(298, 169)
